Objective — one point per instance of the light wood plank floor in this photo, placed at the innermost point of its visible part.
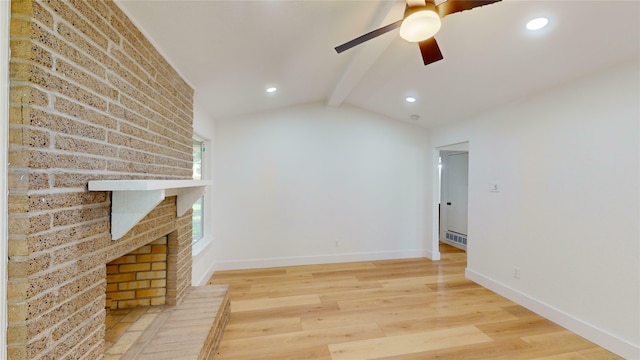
(398, 309)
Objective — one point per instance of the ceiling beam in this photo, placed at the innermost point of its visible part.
(364, 56)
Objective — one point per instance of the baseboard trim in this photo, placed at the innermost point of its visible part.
(320, 259)
(598, 336)
(204, 279)
(432, 255)
(201, 265)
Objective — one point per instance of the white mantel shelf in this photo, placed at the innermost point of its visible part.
(132, 200)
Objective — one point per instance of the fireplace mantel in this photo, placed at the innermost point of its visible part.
(132, 200)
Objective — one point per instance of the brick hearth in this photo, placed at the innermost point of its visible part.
(189, 331)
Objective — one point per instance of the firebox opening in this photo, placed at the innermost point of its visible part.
(138, 278)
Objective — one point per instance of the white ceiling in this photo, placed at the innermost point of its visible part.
(231, 51)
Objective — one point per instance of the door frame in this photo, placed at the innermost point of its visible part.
(435, 235)
(460, 238)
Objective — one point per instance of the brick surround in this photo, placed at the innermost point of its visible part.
(138, 278)
(90, 99)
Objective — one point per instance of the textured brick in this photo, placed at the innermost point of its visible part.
(38, 223)
(38, 181)
(124, 114)
(126, 259)
(44, 241)
(28, 95)
(123, 295)
(96, 62)
(36, 138)
(17, 312)
(142, 250)
(18, 203)
(83, 78)
(90, 98)
(20, 28)
(19, 70)
(152, 258)
(58, 84)
(42, 15)
(151, 275)
(72, 17)
(96, 17)
(68, 143)
(25, 49)
(49, 160)
(73, 216)
(150, 293)
(158, 283)
(72, 179)
(50, 280)
(120, 278)
(73, 322)
(141, 57)
(133, 73)
(39, 263)
(16, 135)
(131, 285)
(158, 301)
(16, 333)
(59, 200)
(134, 267)
(159, 266)
(65, 125)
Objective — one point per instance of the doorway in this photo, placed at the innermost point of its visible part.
(453, 204)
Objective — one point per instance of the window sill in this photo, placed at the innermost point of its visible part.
(201, 245)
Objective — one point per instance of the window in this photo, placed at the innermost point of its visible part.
(198, 206)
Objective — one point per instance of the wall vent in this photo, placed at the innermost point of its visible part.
(457, 238)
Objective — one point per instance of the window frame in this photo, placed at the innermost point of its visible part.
(201, 201)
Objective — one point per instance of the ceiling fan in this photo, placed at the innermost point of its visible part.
(421, 21)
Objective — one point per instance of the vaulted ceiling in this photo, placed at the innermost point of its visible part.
(231, 51)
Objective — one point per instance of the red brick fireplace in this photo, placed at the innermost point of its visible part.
(90, 99)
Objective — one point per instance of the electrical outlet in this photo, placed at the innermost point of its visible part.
(516, 272)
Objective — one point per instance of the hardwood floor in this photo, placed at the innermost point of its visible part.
(398, 309)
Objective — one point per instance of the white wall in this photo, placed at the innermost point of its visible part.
(291, 183)
(568, 211)
(203, 264)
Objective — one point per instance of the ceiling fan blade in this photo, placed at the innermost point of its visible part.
(430, 51)
(368, 36)
(453, 6)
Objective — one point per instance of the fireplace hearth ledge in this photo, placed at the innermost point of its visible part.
(132, 200)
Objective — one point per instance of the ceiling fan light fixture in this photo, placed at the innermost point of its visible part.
(420, 23)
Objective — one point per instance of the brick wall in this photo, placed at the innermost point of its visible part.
(90, 98)
(138, 278)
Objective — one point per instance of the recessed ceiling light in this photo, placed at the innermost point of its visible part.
(410, 99)
(537, 23)
(272, 90)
